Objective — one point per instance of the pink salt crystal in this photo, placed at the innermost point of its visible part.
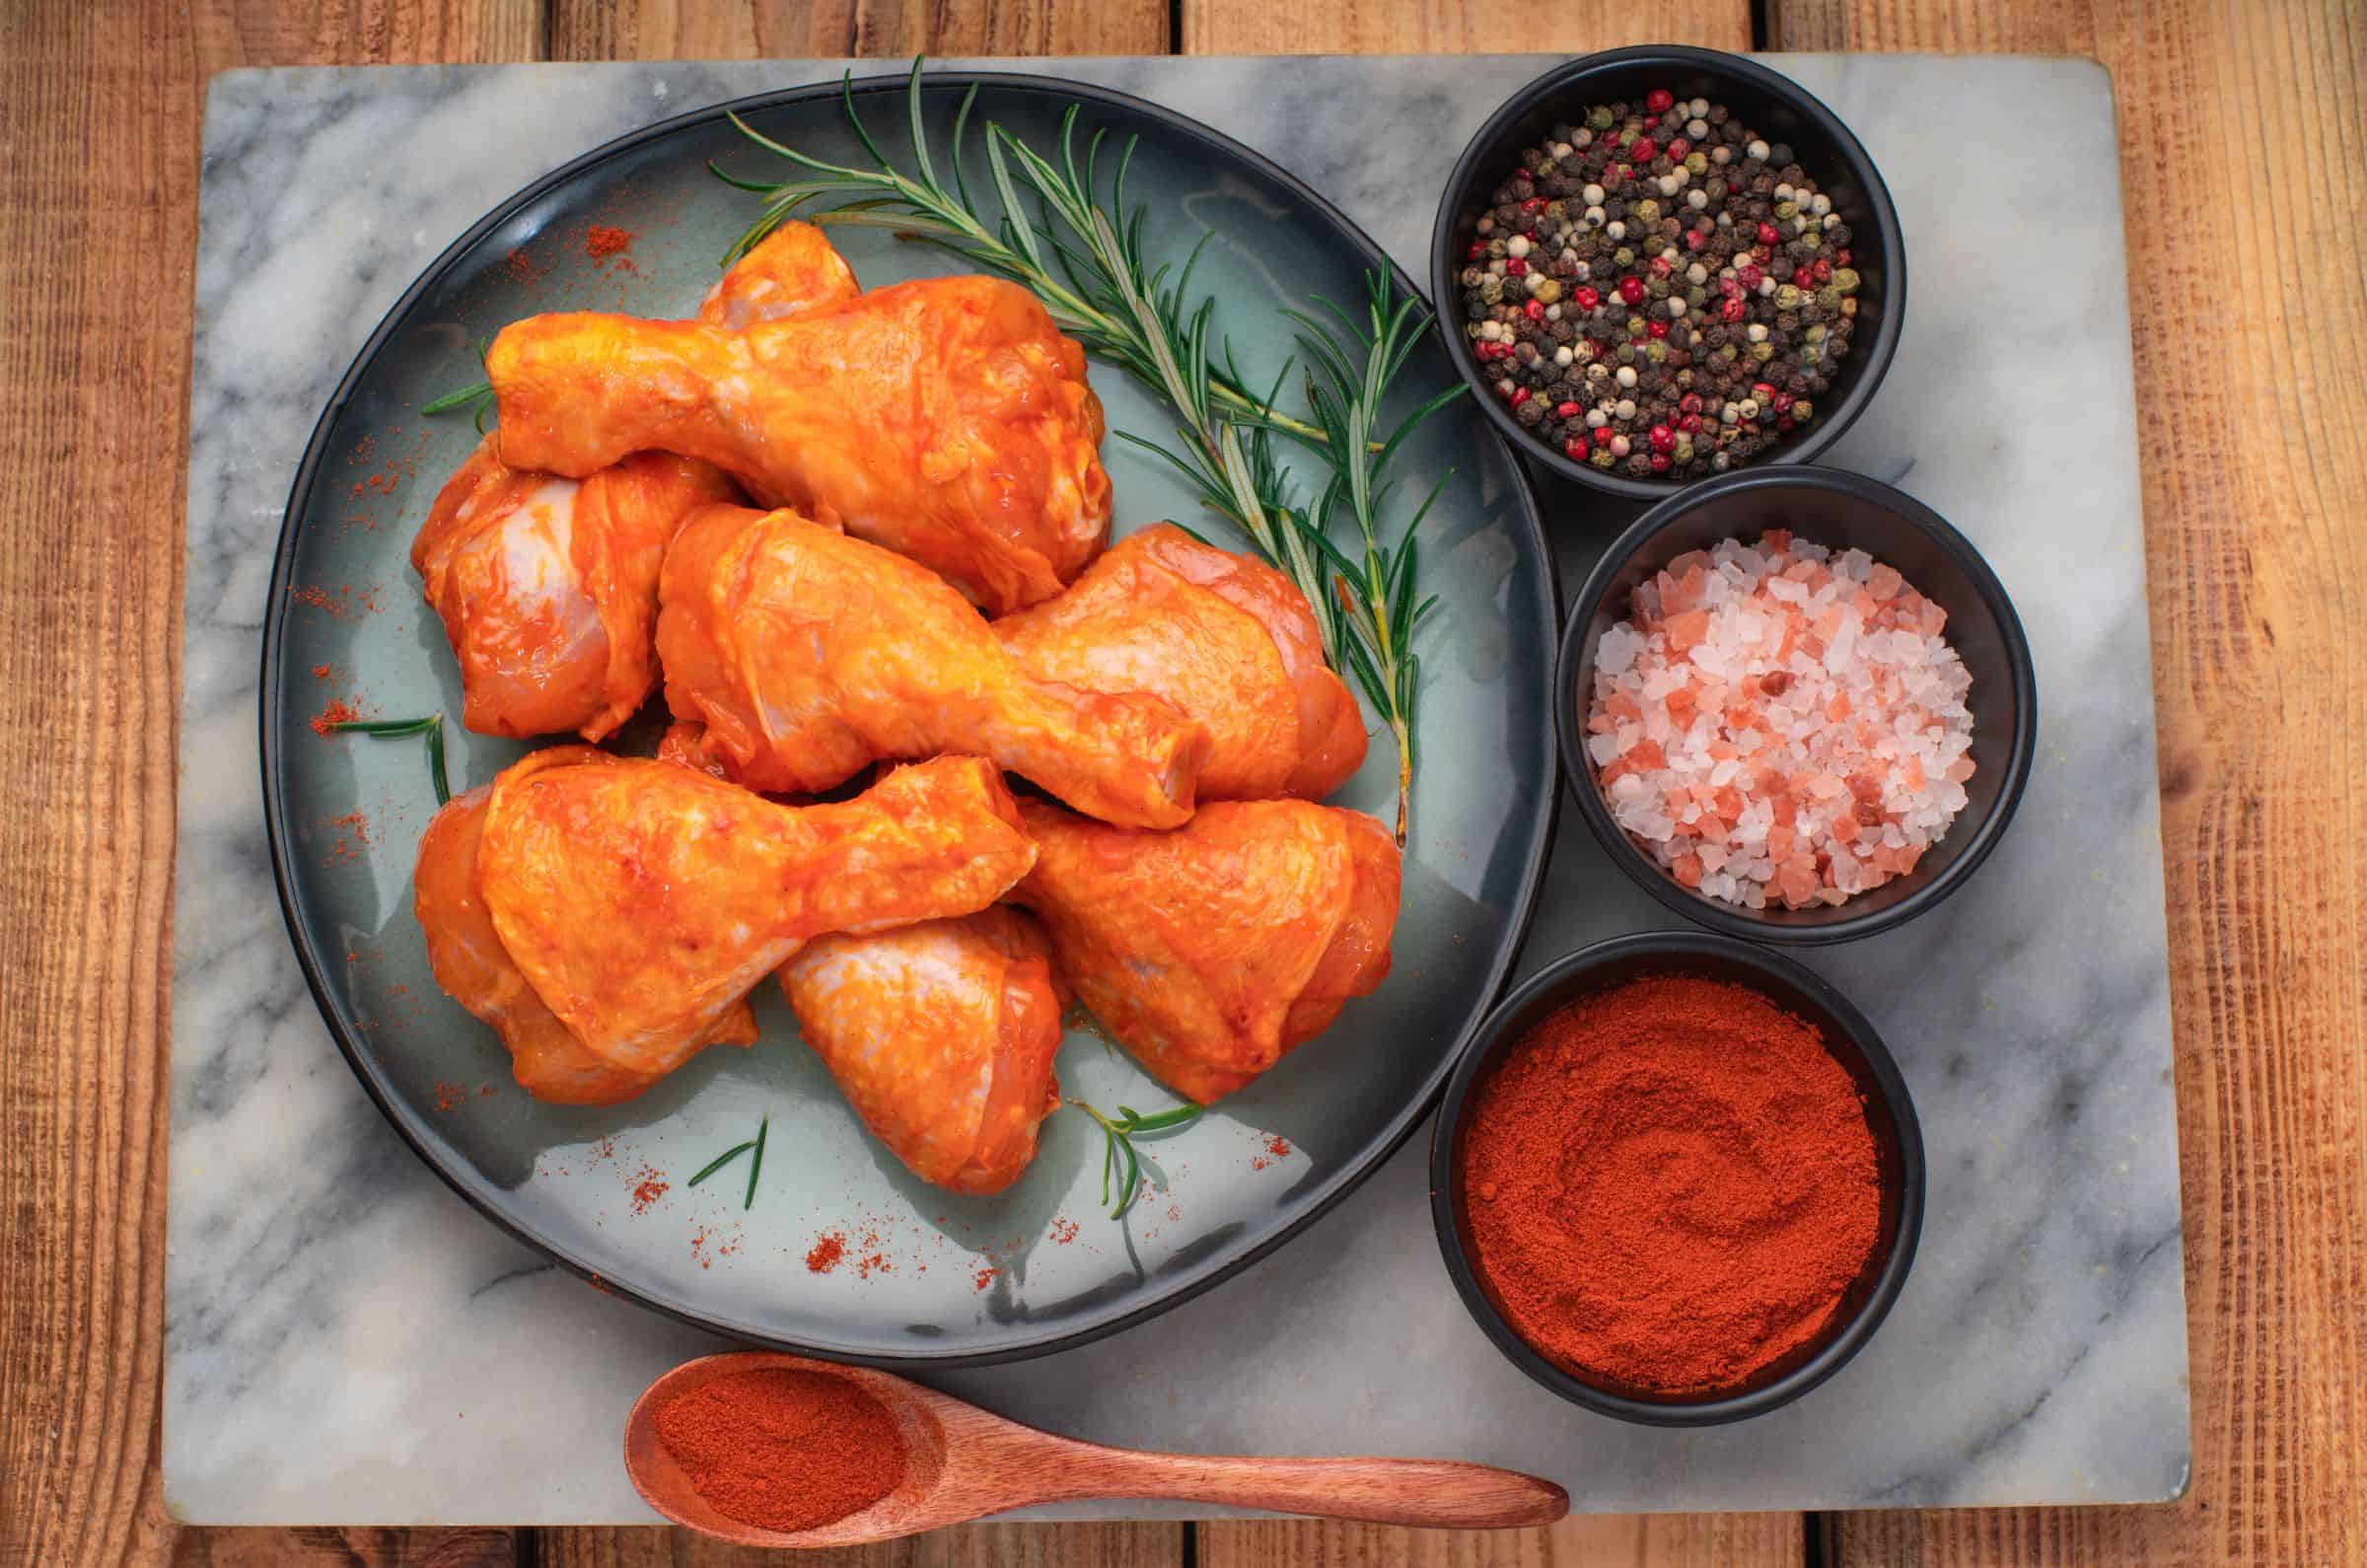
(1781, 746)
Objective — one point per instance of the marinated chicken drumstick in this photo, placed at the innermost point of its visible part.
(1213, 950)
(469, 962)
(806, 654)
(942, 1037)
(548, 587)
(642, 900)
(1226, 638)
(945, 418)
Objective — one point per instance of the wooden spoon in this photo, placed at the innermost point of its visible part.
(963, 1464)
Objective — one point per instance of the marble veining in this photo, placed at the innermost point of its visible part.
(347, 1342)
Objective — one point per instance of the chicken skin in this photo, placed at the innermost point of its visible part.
(548, 587)
(1211, 951)
(642, 900)
(805, 654)
(469, 962)
(1226, 638)
(947, 419)
(942, 1037)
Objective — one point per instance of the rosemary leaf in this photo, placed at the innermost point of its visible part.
(722, 1159)
(755, 1162)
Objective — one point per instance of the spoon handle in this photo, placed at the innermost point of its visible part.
(1438, 1493)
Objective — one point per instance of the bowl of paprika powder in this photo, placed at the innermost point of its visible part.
(1678, 1178)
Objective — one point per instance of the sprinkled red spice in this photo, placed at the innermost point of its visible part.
(448, 1095)
(351, 838)
(323, 672)
(649, 1186)
(1277, 1145)
(519, 267)
(825, 1253)
(339, 711)
(985, 1276)
(1064, 1231)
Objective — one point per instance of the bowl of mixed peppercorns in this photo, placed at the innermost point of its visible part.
(1657, 264)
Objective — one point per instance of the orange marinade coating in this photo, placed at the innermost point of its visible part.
(947, 419)
(469, 962)
(805, 654)
(1226, 639)
(942, 1037)
(643, 900)
(1213, 950)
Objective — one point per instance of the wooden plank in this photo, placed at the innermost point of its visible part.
(969, 1547)
(1444, 27)
(99, 191)
(1644, 1540)
(2253, 428)
(738, 29)
(346, 1548)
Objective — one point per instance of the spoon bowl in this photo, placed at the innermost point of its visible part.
(963, 1463)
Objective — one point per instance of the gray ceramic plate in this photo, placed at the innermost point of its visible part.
(955, 1279)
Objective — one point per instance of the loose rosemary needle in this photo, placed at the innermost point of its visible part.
(1121, 1166)
(431, 726)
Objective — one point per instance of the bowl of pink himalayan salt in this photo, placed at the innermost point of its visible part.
(1796, 705)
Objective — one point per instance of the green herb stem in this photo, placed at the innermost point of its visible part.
(722, 1159)
(432, 726)
(755, 1162)
(1122, 1165)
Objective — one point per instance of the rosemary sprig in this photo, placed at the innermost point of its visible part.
(477, 397)
(1084, 259)
(396, 729)
(1121, 1166)
(1085, 287)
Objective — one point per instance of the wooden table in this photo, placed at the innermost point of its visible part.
(2244, 157)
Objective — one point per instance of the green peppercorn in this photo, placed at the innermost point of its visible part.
(1786, 211)
(1655, 351)
(1547, 290)
(1829, 297)
(1814, 333)
(1803, 410)
(1844, 280)
(1787, 297)
(1602, 458)
(1622, 258)
(1648, 210)
(1697, 165)
(1763, 352)
(1491, 289)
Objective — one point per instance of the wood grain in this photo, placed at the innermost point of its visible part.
(2253, 428)
(1653, 1541)
(1455, 27)
(737, 30)
(346, 1548)
(968, 1546)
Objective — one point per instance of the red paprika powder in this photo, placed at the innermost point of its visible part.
(1670, 1184)
(783, 1449)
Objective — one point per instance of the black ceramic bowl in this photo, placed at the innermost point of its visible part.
(1889, 1114)
(1771, 105)
(1838, 510)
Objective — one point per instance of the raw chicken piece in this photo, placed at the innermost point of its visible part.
(1226, 639)
(1211, 951)
(469, 962)
(642, 900)
(945, 418)
(794, 269)
(805, 654)
(548, 587)
(942, 1037)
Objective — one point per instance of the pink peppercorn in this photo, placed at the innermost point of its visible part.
(1566, 410)
(1520, 396)
(1514, 268)
(1643, 152)
(1657, 327)
(1659, 101)
(1535, 309)
(1732, 310)
(1586, 297)
(1633, 290)
(1769, 234)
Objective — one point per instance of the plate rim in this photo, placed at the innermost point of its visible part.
(271, 709)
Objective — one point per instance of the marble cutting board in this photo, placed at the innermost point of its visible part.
(347, 1343)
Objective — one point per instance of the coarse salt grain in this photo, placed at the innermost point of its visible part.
(1780, 724)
